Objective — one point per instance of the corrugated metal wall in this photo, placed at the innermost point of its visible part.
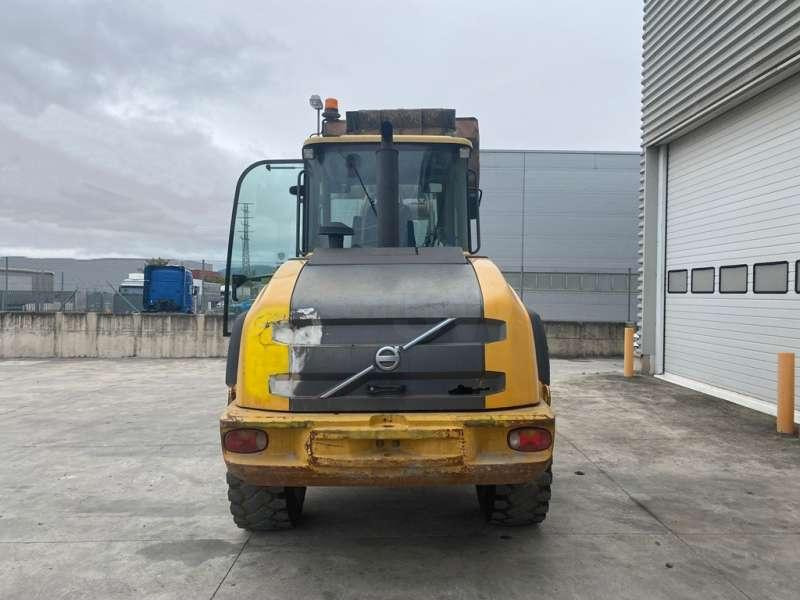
(701, 58)
(696, 52)
(567, 220)
(733, 196)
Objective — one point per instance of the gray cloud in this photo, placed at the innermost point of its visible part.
(92, 54)
(54, 202)
(123, 125)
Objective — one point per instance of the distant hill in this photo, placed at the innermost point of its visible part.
(89, 274)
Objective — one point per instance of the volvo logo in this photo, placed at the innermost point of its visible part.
(387, 358)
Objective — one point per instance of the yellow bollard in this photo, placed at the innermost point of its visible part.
(628, 365)
(786, 392)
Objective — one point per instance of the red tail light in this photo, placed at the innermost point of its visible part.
(529, 439)
(245, 441)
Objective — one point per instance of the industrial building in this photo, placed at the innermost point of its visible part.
(27, 280)
(26, 289)
(720, 213)
(562, 227)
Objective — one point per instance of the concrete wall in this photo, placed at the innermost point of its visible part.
(93, 335)
(569, 339)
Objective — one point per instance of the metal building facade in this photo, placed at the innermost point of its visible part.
(562, 227)
(699, 55)
(719, 227)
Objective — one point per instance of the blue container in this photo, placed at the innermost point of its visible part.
(167, 289)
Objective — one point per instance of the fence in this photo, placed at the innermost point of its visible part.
(109, 286)
(557, 296)
(579, 297)
(91, 300)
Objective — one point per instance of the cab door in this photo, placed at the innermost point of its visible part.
(263, 231)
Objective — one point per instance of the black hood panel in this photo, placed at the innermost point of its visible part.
(354, 301)
(403, 286)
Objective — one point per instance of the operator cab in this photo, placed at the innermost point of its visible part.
(332, 197)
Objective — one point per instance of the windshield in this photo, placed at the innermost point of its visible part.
(433, 194)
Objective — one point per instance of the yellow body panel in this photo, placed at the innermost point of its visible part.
(514, 355)
(374, 139)
(388, 449)
(259, 355)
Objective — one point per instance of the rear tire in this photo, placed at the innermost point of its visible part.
(264, 508)
(516, 504)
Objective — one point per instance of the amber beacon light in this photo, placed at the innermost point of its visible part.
(331, 109)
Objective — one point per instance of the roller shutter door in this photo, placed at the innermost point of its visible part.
(733, 198)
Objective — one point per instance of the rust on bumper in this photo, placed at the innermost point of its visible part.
(396, 449)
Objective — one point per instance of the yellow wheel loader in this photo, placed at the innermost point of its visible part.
(370, 344)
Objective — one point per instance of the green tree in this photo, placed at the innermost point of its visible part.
(157, 262)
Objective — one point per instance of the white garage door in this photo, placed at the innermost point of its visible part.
(732, 246)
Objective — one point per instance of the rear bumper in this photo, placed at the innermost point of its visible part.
(387, 449)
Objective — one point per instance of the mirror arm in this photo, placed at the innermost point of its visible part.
(478, 228)
(300, 200)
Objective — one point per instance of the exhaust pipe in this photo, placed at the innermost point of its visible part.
(388, 189)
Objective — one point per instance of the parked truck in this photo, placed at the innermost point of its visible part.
(387, 352)
(167, 288)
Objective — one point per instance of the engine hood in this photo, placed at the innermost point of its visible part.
(394, 283)
(347, 304)
(320, 325)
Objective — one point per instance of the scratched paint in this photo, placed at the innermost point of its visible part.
(305, 329)
(302, 331)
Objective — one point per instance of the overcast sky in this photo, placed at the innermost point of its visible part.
(123, 125)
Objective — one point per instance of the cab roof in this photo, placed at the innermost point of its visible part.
(374, 139)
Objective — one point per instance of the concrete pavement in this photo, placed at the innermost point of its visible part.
(112, 486)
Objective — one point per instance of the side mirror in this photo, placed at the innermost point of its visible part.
(296, 190)
(472, 178)
(474, 196)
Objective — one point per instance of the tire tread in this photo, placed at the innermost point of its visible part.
(517, 504)
(260, 508)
